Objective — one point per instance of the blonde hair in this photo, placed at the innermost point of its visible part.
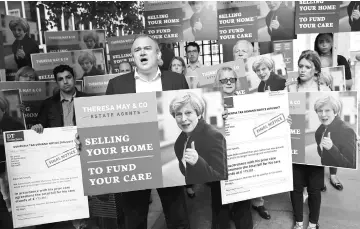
(19, 21)
(26, 71)
(197, 103)
(335, 104)
(269, 63)
(328, 79)
(86, 56)
(91, 35)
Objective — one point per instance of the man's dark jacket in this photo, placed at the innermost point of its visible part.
(51, 112)
(125, 84)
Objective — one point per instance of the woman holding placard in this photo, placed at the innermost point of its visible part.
(312, 177)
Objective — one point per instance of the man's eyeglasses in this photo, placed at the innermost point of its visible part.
(192, 52)
(225, 81)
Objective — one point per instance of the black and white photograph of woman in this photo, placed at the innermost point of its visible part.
(336, 124)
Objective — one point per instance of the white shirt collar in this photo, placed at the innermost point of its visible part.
(197, 65)
(137, 76)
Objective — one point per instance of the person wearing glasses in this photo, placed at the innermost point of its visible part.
(264, 69)
(192, 53)
(226, 80)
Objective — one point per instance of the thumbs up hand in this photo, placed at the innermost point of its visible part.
(198, 25)
(326, 142)
(275, 23)
(191, 156)
(356, 13)
(20, 53)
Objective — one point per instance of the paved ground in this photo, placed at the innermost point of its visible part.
(339, 208)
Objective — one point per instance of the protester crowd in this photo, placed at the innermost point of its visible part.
(151, 71)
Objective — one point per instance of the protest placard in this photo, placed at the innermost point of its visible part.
(63, 41)
(163, 20)
(132, 142)
(120, 51)
(32, 95)
(266, 72)
(208, 76)
(258, 146)
(319, 117)
(237, 22)
(96, 85)
(89, 62)
(17, 49)
(317, 17)
(54, 186)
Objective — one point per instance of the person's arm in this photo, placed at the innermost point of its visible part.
(317, 134)
(184, 82)
(343, 62)
(345, 153)
(179, 157)
(110, 89)
(268, 22)
(216, 167)
(286, 23)
(349, 11)
(42, 115)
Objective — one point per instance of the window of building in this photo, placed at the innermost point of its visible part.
(211, 53)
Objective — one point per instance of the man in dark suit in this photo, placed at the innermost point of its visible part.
(147, 78)
(58, 110)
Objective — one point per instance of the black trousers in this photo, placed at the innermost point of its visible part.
(241, 211)
(5, 216)
(133, 207)
(311, 177)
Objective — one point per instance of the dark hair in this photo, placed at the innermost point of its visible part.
(193, 44)
(126, 62)
(62, 68)
(316, 48)
(191, 2)
(312, 56)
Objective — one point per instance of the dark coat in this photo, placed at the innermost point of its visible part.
(355, 24)
(286, 18)
(208, 20)
(343, 151)
(51, 111)
(125, 84)
(275, 82)
(29, 46)
(211, 147)
(7, 124)
(94, 72)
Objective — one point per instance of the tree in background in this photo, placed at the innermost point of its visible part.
(111, 16)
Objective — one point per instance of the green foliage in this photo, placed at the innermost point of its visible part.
(103, 14)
